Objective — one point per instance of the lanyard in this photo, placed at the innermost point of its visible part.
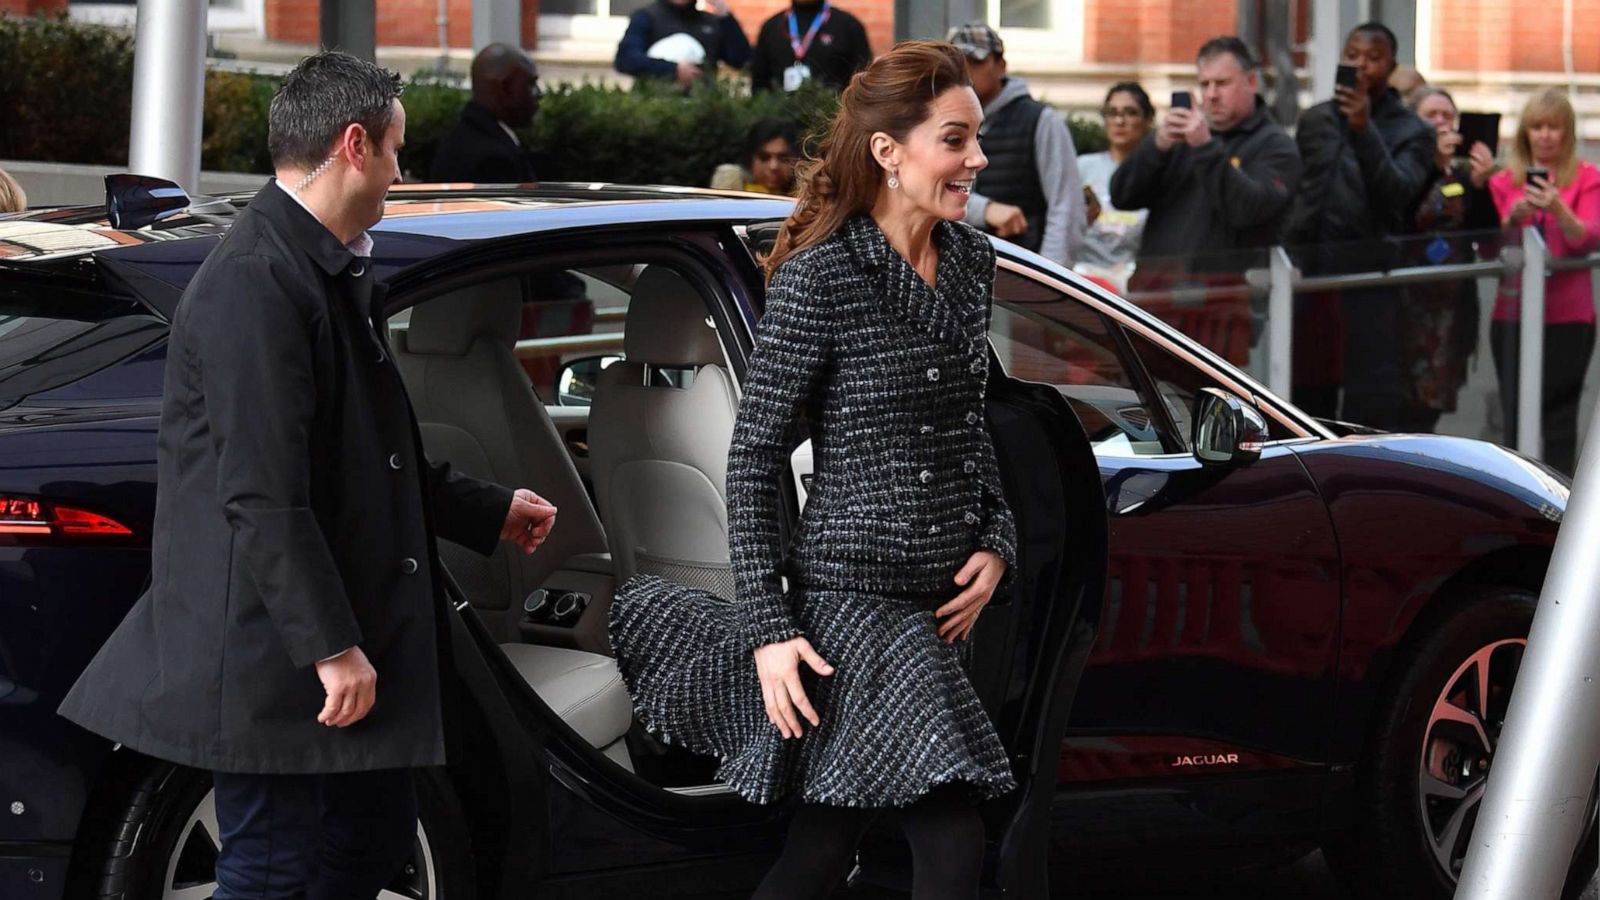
(800, 47)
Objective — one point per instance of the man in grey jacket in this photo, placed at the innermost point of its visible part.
(1030, 193)
(1215, 179)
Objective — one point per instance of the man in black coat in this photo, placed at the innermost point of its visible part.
(1368, 160)
(484, 147)
(289, 639)
(812, 40)
(718, 33)
(1216, 179)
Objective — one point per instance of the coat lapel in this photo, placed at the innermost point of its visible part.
(952, 311)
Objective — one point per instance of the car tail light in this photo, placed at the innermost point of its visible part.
(32, 520)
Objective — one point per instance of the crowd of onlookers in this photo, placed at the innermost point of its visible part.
(1385, 173)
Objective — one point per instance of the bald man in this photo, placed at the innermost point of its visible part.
(484, 147)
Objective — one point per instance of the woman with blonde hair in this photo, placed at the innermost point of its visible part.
(1547, 187)
(845, 685)
(12, 197)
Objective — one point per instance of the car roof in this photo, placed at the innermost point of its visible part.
(451, 212)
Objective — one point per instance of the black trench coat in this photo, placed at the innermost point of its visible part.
(295, 517)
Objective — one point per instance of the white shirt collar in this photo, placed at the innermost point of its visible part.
(361, 246)
(509, 133)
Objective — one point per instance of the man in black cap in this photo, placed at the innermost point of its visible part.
(1030, 193)
(484, 146)
(812, 40)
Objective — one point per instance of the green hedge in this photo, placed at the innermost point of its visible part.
(65, 96)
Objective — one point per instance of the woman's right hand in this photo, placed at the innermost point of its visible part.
(778, 665)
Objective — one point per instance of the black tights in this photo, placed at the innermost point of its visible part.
(944, 828)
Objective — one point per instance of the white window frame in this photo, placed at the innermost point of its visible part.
(234, 16)
(1050, 48)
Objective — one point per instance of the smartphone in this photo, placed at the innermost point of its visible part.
(1345, 76)
(1181, 100)
(1538, 173)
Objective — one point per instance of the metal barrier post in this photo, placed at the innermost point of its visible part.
(1280, 322)
(1544, 767)
(169, 77)
(1530, 350)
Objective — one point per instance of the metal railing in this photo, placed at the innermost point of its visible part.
(1275, 285)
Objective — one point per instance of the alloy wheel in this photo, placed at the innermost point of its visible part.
(1458, 747)
(191, 872)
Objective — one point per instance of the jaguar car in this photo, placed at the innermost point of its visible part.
(1235, 633)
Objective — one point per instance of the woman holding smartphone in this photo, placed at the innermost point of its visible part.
(1549, 188)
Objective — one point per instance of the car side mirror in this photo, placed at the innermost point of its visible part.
(1227, 430)
(576, 380)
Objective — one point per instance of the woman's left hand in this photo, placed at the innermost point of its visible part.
(1542, 195)
(979, 576)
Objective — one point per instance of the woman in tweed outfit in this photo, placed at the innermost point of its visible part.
(873, 345)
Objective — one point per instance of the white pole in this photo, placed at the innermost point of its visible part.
(1533, 813)
(1530, 350)
(169, 77)
(496, 21)
(1280, 322)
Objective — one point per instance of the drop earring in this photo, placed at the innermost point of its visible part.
(894, 180)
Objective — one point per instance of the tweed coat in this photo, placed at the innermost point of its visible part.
(886, 376)
(295, 518)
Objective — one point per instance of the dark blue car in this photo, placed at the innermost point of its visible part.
(1235, 633)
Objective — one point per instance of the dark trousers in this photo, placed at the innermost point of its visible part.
(1567, 348)
(313, 837)
(1372, 390)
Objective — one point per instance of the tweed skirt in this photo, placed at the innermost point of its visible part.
(899, 715)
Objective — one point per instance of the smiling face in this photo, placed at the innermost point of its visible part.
(1438, 111)
(939, 158)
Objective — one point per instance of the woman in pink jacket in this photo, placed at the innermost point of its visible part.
(1564, 204)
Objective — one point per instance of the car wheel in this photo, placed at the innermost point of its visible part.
(1423, 777)
(160, 842)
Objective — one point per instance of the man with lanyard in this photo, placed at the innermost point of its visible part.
(811, 41)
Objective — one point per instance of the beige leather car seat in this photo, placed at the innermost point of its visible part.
(659, 453)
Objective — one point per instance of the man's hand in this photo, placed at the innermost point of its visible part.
(778, 667)
(528, 521)
(1482, 163)
(980, 576)
(1196, 130)
(1004, 219)
(688, 73)
(1354, 105)
(352, 687)
(1173, 128)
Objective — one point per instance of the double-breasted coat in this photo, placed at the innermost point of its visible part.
(295, 518)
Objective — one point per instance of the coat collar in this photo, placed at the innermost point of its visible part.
(952, 309)
(479, 117)
(301, 228)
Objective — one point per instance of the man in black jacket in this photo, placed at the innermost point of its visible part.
(718, 33)
(812, 40)
(484, 146)
(1368, 160)
(293, 557)
(1215, 179)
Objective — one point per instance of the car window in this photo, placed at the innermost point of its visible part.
(1045, 336)
(1178, 383)
(55, 343)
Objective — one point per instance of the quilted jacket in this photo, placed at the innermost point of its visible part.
(886, 377)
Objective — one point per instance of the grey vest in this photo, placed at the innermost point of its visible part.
(1013, 173)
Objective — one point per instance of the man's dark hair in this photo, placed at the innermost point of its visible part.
(1382, 30)
(1229, 44)
(320, 98)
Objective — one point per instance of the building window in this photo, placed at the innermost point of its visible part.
(1021, 13)
(621, 8)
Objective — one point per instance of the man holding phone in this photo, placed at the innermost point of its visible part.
(1368, 160)
(1215, 179)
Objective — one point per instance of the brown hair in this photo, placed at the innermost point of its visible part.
(1549, 106)
(12, 197)
(892, 95)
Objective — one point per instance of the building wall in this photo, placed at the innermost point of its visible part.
(1500, 36)
(401, 23)
(31, 7)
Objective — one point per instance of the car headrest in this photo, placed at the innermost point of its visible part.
(447, 325)
(668, 324)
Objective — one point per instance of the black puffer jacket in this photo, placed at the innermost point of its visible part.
(886, 376)
(1361, 185)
